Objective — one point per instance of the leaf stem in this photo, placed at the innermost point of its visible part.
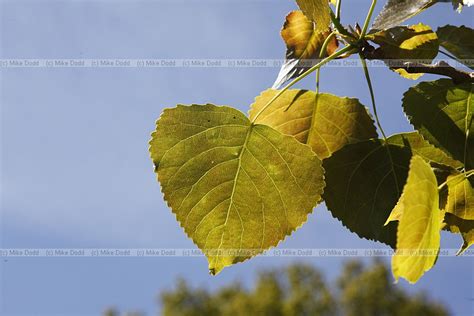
(452, 57)
(302, 76)
(321, 53)
(441, 68)
(338, 9)
(374, 107)
(449, 55)
(466, 174)
(466, 140)
(338, 25)
(372, 96)
(367, 19)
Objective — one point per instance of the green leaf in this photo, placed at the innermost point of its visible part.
(406, 43)
(442, 112)
(418, 236)
(303, 43)
(460, 226)
(317, 11)
(460, 196)
(236, 188)
(326, 127)
(363, 185)
(459, 41)
(395, 12)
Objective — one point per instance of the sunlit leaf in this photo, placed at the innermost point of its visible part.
(458, 40)
(418, 146)
(396, 213)
(460, 226)
(236, 188)
(418, 236)
(406, 43)
(326, 127)
(395, 12)
(460, 196)
(442, 112)
(317, 11)
(303, 44)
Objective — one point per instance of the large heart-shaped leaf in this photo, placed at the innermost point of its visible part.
(418, 236)
(236, 188)
(459, 40)
(325, 122)
(406, 43)
(303, 45)
(363, 184)
(442, 112)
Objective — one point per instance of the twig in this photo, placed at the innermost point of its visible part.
(440, 68)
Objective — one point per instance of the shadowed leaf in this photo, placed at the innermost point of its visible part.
(460, 197)
(459, 40)
(326, 127)
(236, 188)
(395, 12)
(442, 112)
(406, 43)
(460, 226)
(418, 236)
(422, 148)
(363, 185)
(361, 189)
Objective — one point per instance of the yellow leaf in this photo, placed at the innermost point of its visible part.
(326, 123)
(317, 11)
(236, 188)
(303, 45)
(418, 235)
(301, 38)
(460, 197)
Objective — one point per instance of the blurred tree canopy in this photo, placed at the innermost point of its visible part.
(300, 289)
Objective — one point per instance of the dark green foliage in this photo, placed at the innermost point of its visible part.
(301, 290)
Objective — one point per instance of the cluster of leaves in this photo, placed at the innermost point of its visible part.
(299, 289)
(239, 185)
(302, 290)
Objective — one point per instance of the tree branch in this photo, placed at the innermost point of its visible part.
(440, 68)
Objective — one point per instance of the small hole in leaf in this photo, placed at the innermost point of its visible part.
(208, 120)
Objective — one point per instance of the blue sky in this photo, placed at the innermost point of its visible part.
(75, 171)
